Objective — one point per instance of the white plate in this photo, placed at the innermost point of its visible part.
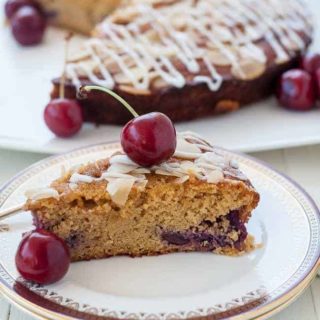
(25, 87)
(286, 222)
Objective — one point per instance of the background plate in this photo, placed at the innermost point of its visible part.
(176, 285)
(25, 87)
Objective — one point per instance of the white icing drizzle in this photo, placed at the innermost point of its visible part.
(159, 43)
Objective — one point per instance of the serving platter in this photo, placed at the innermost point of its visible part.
(26, 83)
(176, 286)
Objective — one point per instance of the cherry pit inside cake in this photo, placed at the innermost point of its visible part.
(187, 58)
(198, 200)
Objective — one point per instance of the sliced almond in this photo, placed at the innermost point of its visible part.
(134, 91)
(137, 74)
(113, 66)
(115, 175)
(158, 51)
(152, 35)
(227, 106)
(253, 52)
(77, 177)
(78, 56)
(121, 158)
(119, 190)
(189, 167)
(248, 69)
(181, 180)
(214, 158)
(185, 148)
(121, 168)
(141, 185)
(141, 171)
(124, 15)
(42, 193)
(218, 58)
(223, 33)
(215, 176)
(83, 67)
(168, 173)
(159, 83)
(234, 164)
(179, 22)
(73, 186)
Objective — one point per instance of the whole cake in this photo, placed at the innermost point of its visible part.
(198, 200)
(187, 58)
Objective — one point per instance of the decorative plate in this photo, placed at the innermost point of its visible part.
(175, 286)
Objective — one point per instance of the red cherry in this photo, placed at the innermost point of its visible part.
(149, 139)
(63, 117)
(296, 90)
(42, 257)
(12, 6)
(311, 62)
(28, 26)
(318, 83)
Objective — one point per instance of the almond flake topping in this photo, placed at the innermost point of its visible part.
(42, 193)
(194, 157)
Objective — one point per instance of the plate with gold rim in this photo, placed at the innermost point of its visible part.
(174, 286)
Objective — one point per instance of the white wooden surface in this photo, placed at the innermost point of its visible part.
(302, 164)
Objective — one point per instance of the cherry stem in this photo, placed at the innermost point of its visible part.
(84, 89)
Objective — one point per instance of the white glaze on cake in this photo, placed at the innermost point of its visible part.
(143, 46)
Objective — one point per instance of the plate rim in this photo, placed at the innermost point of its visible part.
(249, 313)
(21, 146)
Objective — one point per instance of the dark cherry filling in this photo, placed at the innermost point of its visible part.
(73, 240)
(207, 238)
(36, 221)
(176, 238)
(238, 225)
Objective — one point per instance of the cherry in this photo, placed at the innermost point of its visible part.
(296, 90)
(42, 257)
(63, 117)
(147, 140)
(311, 62)
(318, 83)
(28, 26)
(12, 6)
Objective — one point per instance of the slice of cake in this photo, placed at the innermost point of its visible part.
(187, 58)
(77, 15)
(196, 201)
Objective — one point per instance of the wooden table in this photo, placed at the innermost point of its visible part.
(302, 164)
